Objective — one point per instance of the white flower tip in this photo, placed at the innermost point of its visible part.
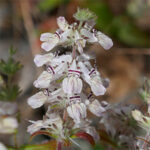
(46, 46)
(61, 19)
(108, 45)
(62, 23)
(37, 61)
(137, 115)
(35, 83)
(37, 100)
(34, 104)
(100, 90)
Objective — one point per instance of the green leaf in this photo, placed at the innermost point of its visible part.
(9, 93)
(46, 146)
(10, 67)
(99, 147)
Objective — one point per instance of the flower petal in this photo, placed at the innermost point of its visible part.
(46, 36)
(96, 108)
(62, 23)
(37, 100)
(89, 36)
(104, 40)
(40, 60)
(43, 80)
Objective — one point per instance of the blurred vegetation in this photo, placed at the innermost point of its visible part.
(9, 91)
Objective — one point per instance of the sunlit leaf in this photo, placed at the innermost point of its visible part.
(51, 145)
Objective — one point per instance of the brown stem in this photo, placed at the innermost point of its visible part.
(15, 141)
(65, 116)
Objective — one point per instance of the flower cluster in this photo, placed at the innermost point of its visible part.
(65, 82)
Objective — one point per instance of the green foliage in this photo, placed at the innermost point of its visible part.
(84, 15)
(9, 93)
(47, 146)
(10, 67)
(8, 90)
(48, 5)
(99, 147)
(121, 27)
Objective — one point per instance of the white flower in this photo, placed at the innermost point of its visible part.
(97, 36)
(52, 122)
(40, 60)
(93, 79)
(36, 126)
(77, 112)
(8, 125)
(50, 40)
(62, 23)
(143, 121)
(104, 40)
(2, 146)
(96, 108)
(37, 100)
(72, 84)
(97, 86)
(43, 80)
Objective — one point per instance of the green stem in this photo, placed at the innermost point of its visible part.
(80, 25)
(15, 141)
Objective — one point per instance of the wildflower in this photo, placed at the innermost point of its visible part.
(8, 125)
(52, 122)
(43, 80)
(72, 84)
(37, 100)
(93, 79)
(97, 36)
(45, 96)
(40, 60)
(77, 109)
(96, 108)
(62, 81)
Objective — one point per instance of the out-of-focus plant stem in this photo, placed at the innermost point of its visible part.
(15, 141)
(26, 14)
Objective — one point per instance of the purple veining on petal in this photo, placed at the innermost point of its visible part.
(92, 72)
(57, 33)
(50, 68)
(75, 71)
